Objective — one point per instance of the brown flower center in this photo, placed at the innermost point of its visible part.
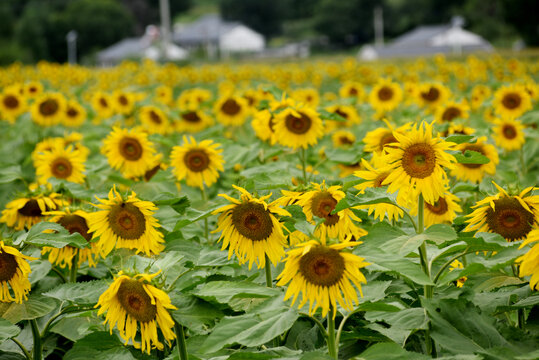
(103, 102)
(191, 117)
(387, 139)
(419, 160)
(72, 112)
(345, 140)
(123, 100)
(298, 125)
(509, 131)
(11, 102)
(48, 107)
(322, 204)
(155, 118)
(451, 113)
(148, 175)
(431, 95)
(196, 160)
(61, 168)
(127, 221)
(509, 219)
(135, 301)
(230, 107)
(252, 221)
(130, 148)
(385, 93)
(322, 266)
(353, 91)
(8, 266)
(341, 113)
(31, 208)
(75, 223)
(380, 179)
(511, 101)
(439, 207)
(474, 147)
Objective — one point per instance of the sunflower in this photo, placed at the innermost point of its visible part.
(442, 211)
(508, 134)
(33, 89)
(125, 224)
(231, 110)
(154, 120)
(417, 161)
(348, 169)
(347, 112)
(511, 101)
(321, 202)
(431, 95)
(14, 270)
(75, 114)
(198, 163)
(264, 126)
(529, 262)
(352, 90)
(61, 163)
(250, 229)
(451, 111)
(511, 216)
(193, 121)
(298, 127)
(163, 94)
(131, 303)
(377, 140)
(476, 172)
(323, 275)
(307, 96)
(457, 129)
(458, 265)
(385, 96)
(102, 104)
(192, 99)
(129, 151)
(123, 102)
(49, 109)
(12, 105)
(28, 211)
(343, 138)
(74, 222)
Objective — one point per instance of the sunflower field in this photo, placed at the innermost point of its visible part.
(322, 209)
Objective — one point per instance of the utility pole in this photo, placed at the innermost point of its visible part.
(164, 10)
(71, 39)
(378, 26)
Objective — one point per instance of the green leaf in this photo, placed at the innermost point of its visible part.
(326, 115)
(390, 351)
(224, 291)
(529, 301)
(58, 239)
(440, 233)
(459, 139)
(471, 157)
(80, 293)
(496, 282)
(179, 204)
(36, 306)
(77, 326)
(406, 319)
(10, 173)
(99, 345)
(197, 315)
(346, 156)
(8, 330)
(404, 267)
(370, 196)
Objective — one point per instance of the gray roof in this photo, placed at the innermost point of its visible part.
(420, 36)
(130, 47)
(208, 28)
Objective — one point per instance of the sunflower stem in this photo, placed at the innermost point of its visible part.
(303, 165)
(59, 273)
(521, 319)
(333, 349)
(318, 323)
(180, 338)
(24, 350)
(206, 227)
(74, 267)
(267, 268)
(38, 347)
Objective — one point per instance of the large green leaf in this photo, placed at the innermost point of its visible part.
(224, 291)
(8, 330)
(99, 345)
(57, 239)
(36, 306)
(80, 293)
(390, 351)
(471, 157)
(77, 326)
(197, 315)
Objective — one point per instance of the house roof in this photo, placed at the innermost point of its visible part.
(208, 28)
(123, 49)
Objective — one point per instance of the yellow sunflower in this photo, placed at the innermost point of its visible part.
(352, 90)
(264, 126)
(385, 96)
(49, 109)
(12, 105)
(131, 303)
(193, 121)
(320, 202)
(457, 129)
(510, 102)
(192, 99)
(377, 140)
(450, 111)
(511, 216)
(298, 127)
(129, 151)
(323, 275)
(28, 211)
(14, 270)
(61, 163)
(33, 89)
(102, 104)
(416, 163)
(250, 229)
(347, 112)
(154, 120)
(125, 224)
(508, 134)
(198, 163)
(307, 96)
(431, 95)
(231, 110)
(163, 94)
(476, 172)
(343, 139)
(442, 211)
(123, 102)
(75, 114)
(458, 265)
(529, 262)
(73, 222)
(348, 169)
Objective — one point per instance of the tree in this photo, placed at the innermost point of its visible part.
(522, 15)
(265, 17)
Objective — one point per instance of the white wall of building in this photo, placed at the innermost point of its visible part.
(241, 39)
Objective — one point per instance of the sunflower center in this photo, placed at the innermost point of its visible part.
(75, 223)
(155, 118)
(61, 168)
(196, 160)
(387, 139)
(32, 89)
(72, 112)
(509, 219)
(127, 221)
(509, 131)
(511, 101)
(230, 107)
(419, 160)
(431, 95)
(11, 102)
(345, 140)
(123, 100)
(8, 266)
(252, 221)
(451, 113)
(31, 208)
(385, 93)
(191, 117)
(48, 107)
(322, 204)
(353, 91)
(298, 125)
(103, 102)
(380, 179)
(341, 113)
(148, 175)
(477, 148)
(130, 148)
(439, 207)
(135, 301)
(322, 266)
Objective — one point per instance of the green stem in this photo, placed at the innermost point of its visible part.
(333, 349)
(38, 347)
(318, 323)
(269, 278)
(66, 310)
(448, 262)
(74, 267)
(408, 216)
(303, 165)
(59, 273)
(21, 346)
(180, 338)
(206, 227)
